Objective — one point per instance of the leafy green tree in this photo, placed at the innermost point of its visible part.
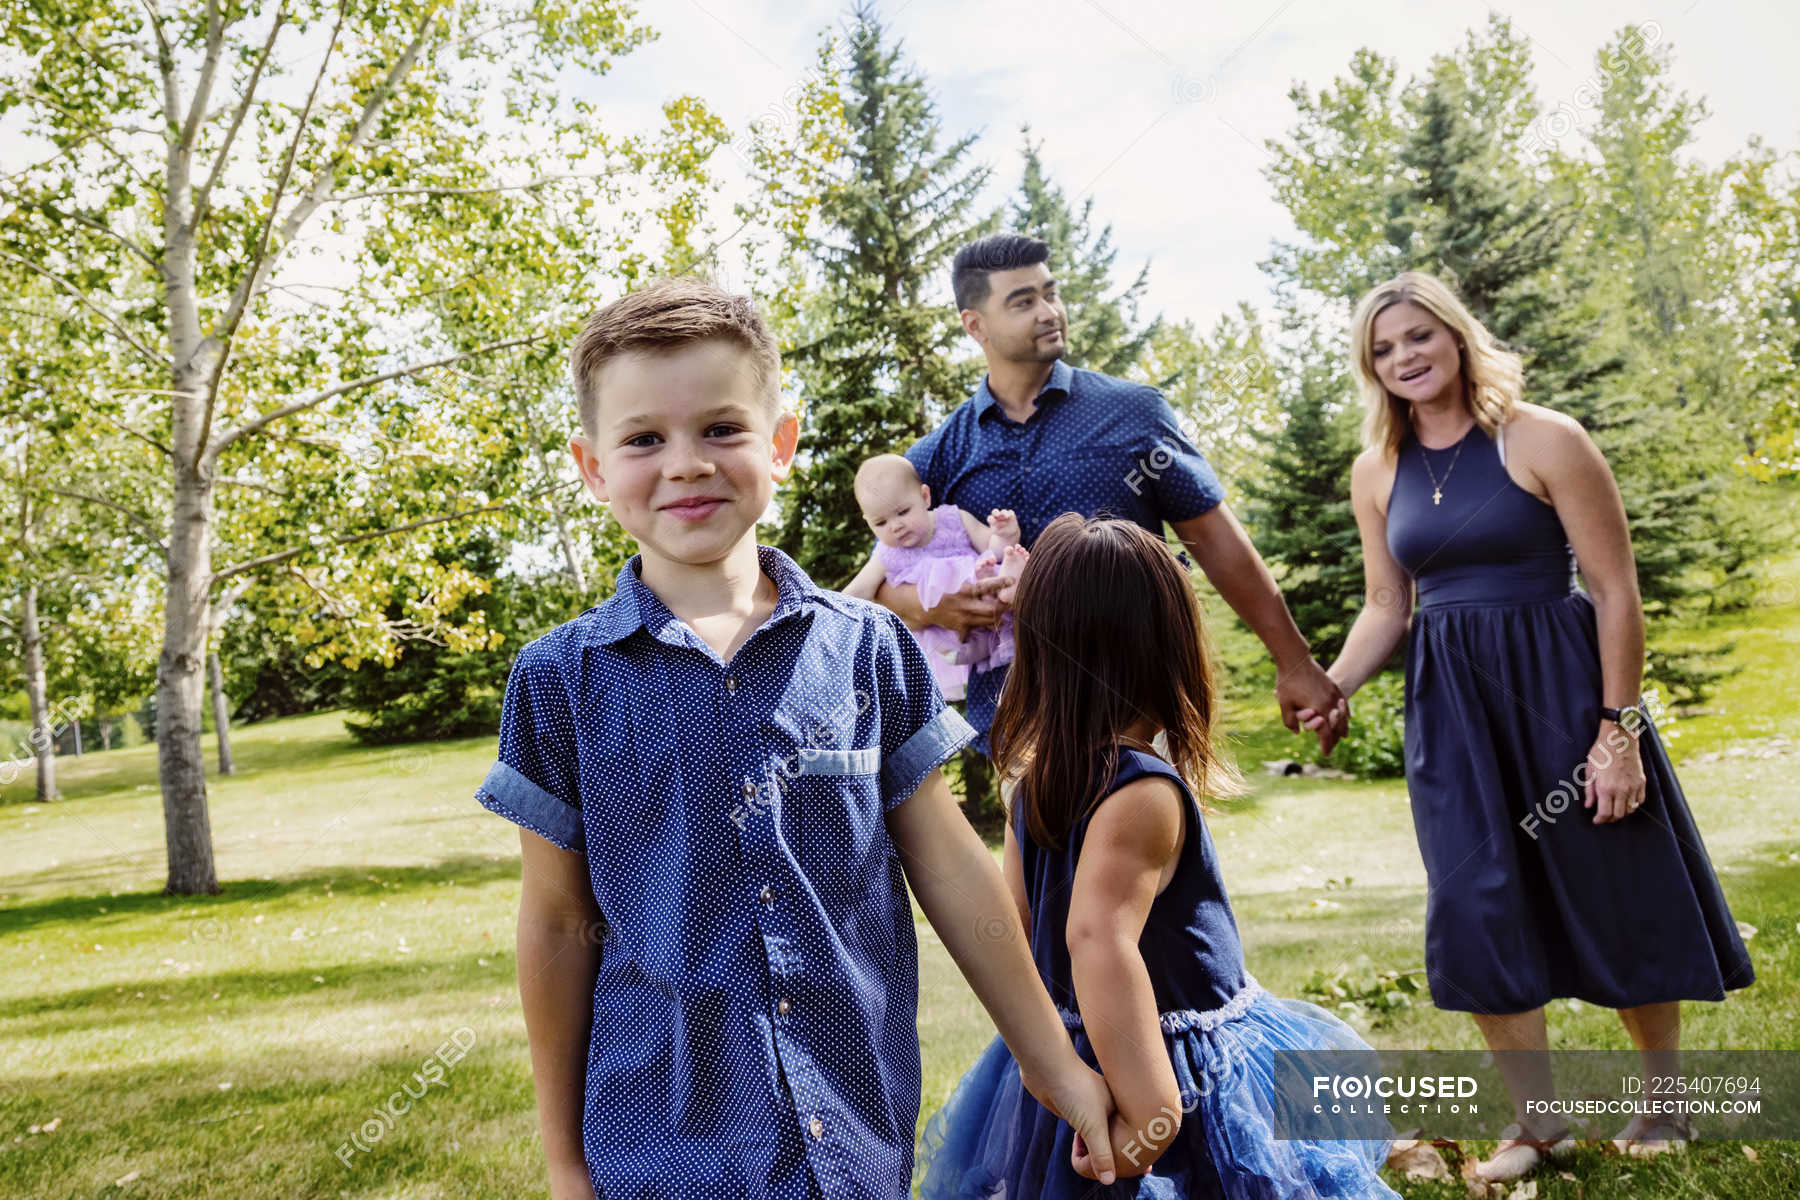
(875, 340)
(1104, 332)
(1446, 176)
(435, 691)
(194, 174)
(1223, 384)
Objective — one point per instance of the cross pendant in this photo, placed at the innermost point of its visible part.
(1437, 495)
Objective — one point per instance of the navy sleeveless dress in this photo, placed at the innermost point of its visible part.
(1221, 1030)
(1529, 900)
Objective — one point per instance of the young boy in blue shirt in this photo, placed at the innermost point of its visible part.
(726, 768)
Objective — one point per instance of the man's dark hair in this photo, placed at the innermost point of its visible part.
(997, 252)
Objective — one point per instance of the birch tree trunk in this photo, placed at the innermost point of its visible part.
(221, 711)
(43, 737)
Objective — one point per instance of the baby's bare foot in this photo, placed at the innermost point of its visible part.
(1012, 565)
(1004, 524)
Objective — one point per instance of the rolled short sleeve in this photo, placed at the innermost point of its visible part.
(919, 731)
(534, 783)
(1183, 481)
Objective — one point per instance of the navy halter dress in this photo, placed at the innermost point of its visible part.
(1530, 900)
(992, 1140)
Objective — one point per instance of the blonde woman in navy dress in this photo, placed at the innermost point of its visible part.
(1562, 859)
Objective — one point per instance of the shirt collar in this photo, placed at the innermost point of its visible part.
(634, 606)
(1062, 375)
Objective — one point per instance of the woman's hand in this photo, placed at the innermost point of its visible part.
(1615, 775)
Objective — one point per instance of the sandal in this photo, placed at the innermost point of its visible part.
(1521, 1154)
(1665, 1136)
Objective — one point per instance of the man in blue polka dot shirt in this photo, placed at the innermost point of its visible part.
(734, 775)
(1042, 438)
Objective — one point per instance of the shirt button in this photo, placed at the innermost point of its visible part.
(749, 788)
(731, 683)
(783, 1005)
(817, 1129)
(767, 896)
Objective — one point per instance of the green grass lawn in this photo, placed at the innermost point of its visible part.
(235, 1045)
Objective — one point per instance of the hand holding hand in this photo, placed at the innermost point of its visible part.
(1082, 1098)
(1308, 689)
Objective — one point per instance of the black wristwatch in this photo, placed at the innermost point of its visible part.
(1632, 718)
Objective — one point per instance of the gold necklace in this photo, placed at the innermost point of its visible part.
(1437, 485)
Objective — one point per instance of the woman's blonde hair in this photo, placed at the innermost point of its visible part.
(1493, 379)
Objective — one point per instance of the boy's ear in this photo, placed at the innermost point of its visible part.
(787, 441)
(588, 463)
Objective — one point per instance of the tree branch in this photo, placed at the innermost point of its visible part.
(217, 611)
(427, 190)
(315, 194)
(260, 262)
(251, 427)
(141, 521)
(165, 65)
(352, 539)
(98, 226)
(209, 70)
(142, 437)
(161, 363)
(203, 199)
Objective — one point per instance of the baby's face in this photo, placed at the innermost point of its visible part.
(898, 513)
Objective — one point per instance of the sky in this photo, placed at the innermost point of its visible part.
(1159, 110)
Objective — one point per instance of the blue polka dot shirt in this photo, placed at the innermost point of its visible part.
(1095, 445)
(754, 1019)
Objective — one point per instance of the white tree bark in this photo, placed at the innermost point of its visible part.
(43, 735)
(221, 712)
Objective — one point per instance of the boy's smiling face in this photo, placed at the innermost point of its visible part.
(687, 449)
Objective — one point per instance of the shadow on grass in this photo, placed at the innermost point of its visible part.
(285, 1127)
(115, 1003)
(346, 881)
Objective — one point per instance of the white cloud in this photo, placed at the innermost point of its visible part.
(1160, 109)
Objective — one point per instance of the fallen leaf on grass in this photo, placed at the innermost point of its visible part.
(126, 1178)
(1526, 1190)
(1750, 1153)
(1418, 1161)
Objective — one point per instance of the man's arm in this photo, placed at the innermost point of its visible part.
(973, 607)
(1223, 550)
(966, 900)
(559, 956)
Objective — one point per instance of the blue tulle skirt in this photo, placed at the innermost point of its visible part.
(992, 1140)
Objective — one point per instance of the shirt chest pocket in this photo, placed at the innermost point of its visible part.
(833, 822)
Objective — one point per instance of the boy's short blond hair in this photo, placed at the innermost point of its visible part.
(667, 315)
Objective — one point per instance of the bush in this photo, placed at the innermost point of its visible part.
(433, 693)
(1375, 747)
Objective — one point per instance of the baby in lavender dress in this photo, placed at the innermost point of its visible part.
(940, 550)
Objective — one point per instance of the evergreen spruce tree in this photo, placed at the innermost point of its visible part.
(1299, 504)
(1104, 334)
(1463, 201)
(878, 360)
